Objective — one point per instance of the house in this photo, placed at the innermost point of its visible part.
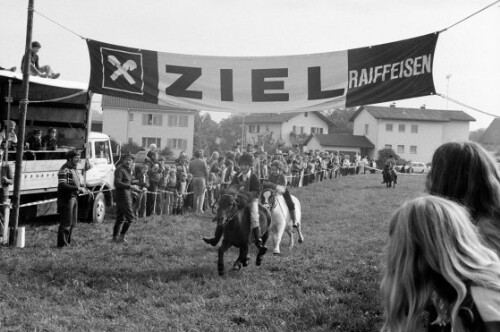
(342, 143)
(287, 128)
(491, 137)
(413, 133)
(128, 121)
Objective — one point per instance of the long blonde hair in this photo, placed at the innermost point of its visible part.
(432, 247)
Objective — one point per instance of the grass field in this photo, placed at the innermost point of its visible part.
(165, 278)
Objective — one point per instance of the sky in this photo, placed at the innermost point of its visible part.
(468, 53)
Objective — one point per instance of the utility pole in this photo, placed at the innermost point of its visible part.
(447, 89)
(23, 108)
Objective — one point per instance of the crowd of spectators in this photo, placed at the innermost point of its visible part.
(194, 184)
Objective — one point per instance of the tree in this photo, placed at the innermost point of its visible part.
(384, 154)
(230, 131)
(341, 118)
(206, 133)
(131, 148)
(476, 135)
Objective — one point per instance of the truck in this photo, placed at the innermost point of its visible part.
(65, 107)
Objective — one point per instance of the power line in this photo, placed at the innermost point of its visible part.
(473, 14)
(467, 106)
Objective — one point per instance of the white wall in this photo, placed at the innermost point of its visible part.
(115, 123)
(314, 145)
(365, 118)
(301, 120)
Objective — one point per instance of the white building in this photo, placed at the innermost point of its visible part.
(128, 121)
(342, 143)
(286, 128)
(414, 134)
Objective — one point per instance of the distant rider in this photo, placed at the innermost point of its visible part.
(277, 182)
(390, 165)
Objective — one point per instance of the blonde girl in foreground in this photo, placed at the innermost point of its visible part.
(435, 257)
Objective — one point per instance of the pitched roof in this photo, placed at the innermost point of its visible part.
(344, 140)
(492, 133)
(116, 102)
(280, 118)
(414, 114)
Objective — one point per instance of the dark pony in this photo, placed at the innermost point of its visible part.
(389, 176)
(234, 216)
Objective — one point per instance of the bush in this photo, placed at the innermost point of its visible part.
(384, 154)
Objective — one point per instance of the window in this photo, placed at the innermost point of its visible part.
(306, 114)
(413, 149)
(147, 141)
(131, 117)
(315, 130)
(414, 129)
(152, 120)
(388, 146)
(366, 129)
(388, 127)
(302, 130)
(402, 128)
(254, 128)
(177, 121)
(294, 129)
(177, 143)
(102, 151)
(401, 149)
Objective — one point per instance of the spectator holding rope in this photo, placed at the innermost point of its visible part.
(34, 67)
(68, 188)
(467, 174)
(123, 193)
(435, 259)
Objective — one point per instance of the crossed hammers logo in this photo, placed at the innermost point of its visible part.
(127, 66)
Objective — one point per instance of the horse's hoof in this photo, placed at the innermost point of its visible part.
(276, 253)
(301, 240)
(221, 273)
(236, 268)
(246, 261)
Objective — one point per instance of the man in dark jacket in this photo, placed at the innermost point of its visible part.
(67, 198)
(123, 192)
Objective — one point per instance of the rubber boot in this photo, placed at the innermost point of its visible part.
(116, 231)
(218, 234)
(121, 237)
(294, 219)
(258, 241)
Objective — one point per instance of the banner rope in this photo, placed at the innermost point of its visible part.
(58, 99)
(62, 26)
(473, 14)
(467, 106)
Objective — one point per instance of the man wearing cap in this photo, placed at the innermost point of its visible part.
(68, 188)
(49, 141)
(123, 193)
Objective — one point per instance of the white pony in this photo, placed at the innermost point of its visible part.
(280, 217)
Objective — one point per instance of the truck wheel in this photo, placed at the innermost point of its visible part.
(99, 208)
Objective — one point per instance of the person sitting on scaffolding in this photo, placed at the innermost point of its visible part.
(247, 182)
(277, 182)
(34, 67)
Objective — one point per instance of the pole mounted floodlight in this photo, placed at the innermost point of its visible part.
(447, 89)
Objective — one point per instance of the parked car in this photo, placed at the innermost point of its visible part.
(416, 167)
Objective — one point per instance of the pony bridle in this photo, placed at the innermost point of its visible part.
(235, 209)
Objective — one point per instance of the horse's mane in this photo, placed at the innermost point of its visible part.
(242, 198)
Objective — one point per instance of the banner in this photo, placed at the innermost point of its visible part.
(276, 84)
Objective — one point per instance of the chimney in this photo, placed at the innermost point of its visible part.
(393, 105)
(422, 107)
